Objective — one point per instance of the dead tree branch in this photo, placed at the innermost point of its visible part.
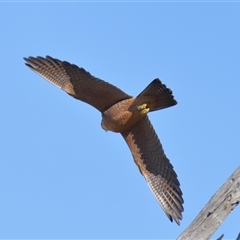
(216, 210)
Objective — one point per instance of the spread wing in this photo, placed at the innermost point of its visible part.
(77, 82)
(156, 168)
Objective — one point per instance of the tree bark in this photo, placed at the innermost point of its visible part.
(216, 210)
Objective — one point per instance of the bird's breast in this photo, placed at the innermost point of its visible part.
(121, 116)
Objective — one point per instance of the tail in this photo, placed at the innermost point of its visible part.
(157, 96)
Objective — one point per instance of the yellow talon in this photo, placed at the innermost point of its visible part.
(143, 108)
(145, 111)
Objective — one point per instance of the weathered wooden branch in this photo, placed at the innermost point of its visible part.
(216, 210)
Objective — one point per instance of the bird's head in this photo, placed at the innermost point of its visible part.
(104, 126)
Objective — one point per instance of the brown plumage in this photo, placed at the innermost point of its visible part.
(126, 115)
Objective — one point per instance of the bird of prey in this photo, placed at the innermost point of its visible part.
(127, 115)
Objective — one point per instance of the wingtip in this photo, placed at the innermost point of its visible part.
(176, 220)
(27, 62)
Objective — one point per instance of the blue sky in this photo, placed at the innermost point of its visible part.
(61, 175)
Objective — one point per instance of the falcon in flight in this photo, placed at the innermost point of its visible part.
(127, 115)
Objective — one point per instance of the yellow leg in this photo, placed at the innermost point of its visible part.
(143, 108)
